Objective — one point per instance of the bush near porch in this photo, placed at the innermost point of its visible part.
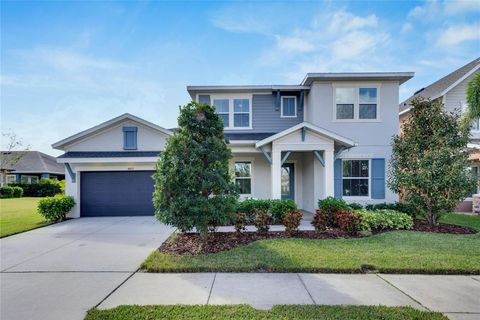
(277, 208)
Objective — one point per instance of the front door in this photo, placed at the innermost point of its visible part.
(288, 181)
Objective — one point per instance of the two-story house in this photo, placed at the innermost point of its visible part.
(451, 91)
(328, 136)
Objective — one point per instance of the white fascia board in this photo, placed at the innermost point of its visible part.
(401, 77)
(465, 76)
(318, 130)
(126, 116)
(404, 111)
(109, 160)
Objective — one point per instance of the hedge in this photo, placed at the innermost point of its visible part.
(44, 188)
(55, 208)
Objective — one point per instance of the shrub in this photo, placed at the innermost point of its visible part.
(262, 220)
(330, 206)
(55, 208)
(319, 220)
(6, 192)
(240, 222)
(292, 220)
(397, 206)
(355, 206)
(348, 221)
(44, 188)
(17, 192)
(250, 206)
(384, 220)
(279, 208)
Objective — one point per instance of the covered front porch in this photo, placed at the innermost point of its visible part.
(297, 163)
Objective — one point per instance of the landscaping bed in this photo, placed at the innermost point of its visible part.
(279, 312)
(423, 225)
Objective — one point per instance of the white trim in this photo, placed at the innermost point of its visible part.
(404, 111)
(9, 176)
(356, 103)
(110, 123)
(308, 125)
(231, 110)
(295, 107)
(465, 76)
(401, 77)
(369, 196)
(109, 160)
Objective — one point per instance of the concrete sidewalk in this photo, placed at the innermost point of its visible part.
(455, 296)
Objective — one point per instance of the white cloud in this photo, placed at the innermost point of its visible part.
(429, 10)
(346, 21)
(406, 27)
(457, 6)
(457, 34)
(294, 44)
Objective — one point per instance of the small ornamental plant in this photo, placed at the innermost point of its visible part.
(262, 220)
(292, 220)
(240, 222)
(348, 221)
(55, 208)
(330, 206)
(319, 220)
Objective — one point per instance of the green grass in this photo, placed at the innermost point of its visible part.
(280, 312)
(462, 220)
(19, 215)
(390, 252)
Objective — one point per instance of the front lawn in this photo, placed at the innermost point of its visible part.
(18, 215)
(247, 312)
(390, 252)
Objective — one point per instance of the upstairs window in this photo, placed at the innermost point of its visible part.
(129, 138)
(356, 103)
(345, 100)
(223, 109)
(241, 113)
(243, 176)
(367, 103)
(289, 107)
(234, 110)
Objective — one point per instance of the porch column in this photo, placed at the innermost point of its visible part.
(276, 175)
(329, 177)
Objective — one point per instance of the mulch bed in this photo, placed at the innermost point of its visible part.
(194, 244)
(422, 225)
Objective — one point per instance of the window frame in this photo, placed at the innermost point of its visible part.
(248, 160)
(294, 104)
(369, 178)
(356, 104)
(231, 108)
(478, 184)
(130, 130)
(28, 178)
(7, 176)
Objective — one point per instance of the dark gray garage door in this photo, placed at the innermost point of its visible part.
(116, 193)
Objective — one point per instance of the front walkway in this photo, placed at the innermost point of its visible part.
(456, 296)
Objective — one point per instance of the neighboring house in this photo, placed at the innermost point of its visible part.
(328, 136)
(31, 167)
(451, 91)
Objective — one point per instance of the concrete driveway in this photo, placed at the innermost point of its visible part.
(62, 270)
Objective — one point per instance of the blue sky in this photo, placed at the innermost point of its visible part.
(66, 66)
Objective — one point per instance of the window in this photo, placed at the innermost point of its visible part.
(10, 178)
(475, 125)
(367, 103)
(289, 107)
(243, 176)
(29, 179)
(355, 176)
(129, 138)
(345, 101)
(241, 112)
(222, 108)
(474, 173)
(356, 103)
(235, 111)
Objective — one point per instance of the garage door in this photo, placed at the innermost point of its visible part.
(116, 193)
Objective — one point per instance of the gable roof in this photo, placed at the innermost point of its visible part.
(443, 85)
(34, 162)
(108, 124)
(324, 132)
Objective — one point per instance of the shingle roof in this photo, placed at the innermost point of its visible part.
(34, 162)
(247, 135)
(109, 154)
(435, 89)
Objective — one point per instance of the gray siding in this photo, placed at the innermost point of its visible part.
(455, 98)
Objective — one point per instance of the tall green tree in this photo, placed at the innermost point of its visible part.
(473, 98)
(429, 160)
(193, 186)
